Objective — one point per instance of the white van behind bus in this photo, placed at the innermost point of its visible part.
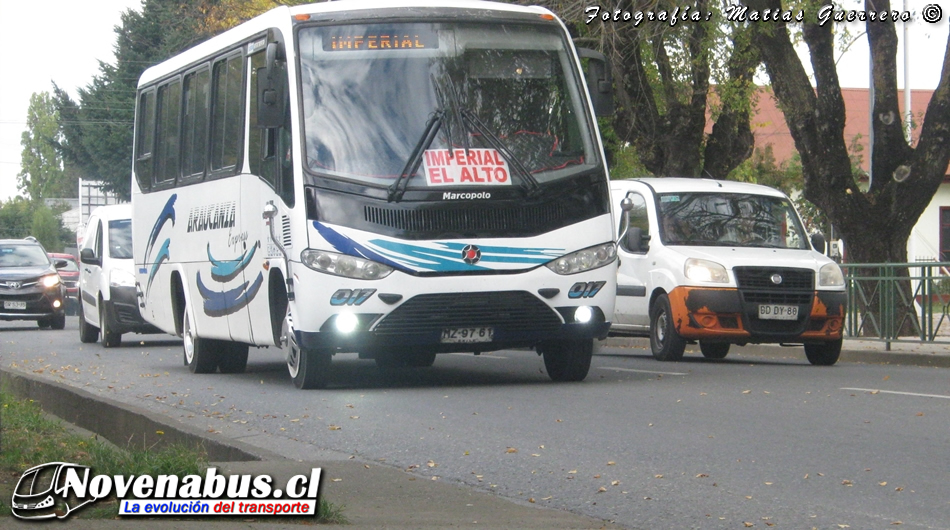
(721, 263)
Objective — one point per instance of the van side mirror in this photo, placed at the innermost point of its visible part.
(88, 257)
(271, 92)
(818, 242)
(599, 81)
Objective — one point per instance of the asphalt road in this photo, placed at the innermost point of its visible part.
(754, 440)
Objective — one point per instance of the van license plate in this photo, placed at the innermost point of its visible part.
(778, 312)
(463, 335)
(7, 304)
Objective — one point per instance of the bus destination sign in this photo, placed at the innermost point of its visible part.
(384, 39)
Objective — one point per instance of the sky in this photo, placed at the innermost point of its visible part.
(42, 41)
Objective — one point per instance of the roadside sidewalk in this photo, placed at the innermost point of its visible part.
(853, 350)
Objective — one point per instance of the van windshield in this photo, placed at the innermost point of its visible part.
(729, 219)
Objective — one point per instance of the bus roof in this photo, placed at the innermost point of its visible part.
(283, 15)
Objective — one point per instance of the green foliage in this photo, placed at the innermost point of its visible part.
(42, 175)
(16, 218)
(47, 229)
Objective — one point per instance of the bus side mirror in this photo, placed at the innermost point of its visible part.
(271, 93)
(818, 242)
(599, 81)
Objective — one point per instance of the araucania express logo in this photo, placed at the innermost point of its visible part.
(58, 489)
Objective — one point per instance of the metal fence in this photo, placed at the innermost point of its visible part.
(898, 302)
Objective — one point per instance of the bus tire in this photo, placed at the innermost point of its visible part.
(87, 332)
(568, 360)
(200, 354)
(823, 353)
(665, 342)
(233, 358)
(714, 350)
(309, 368)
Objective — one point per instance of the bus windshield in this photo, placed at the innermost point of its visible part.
(730, 219)
(476, 104)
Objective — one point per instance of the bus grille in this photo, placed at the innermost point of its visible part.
(525, 218)
(511, 311)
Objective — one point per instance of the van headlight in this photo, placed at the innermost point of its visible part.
(343, 265)
(584, 260)
(703, 270)
(121, 278)
(830, 276)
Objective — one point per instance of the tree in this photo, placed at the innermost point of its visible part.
(16, 218)
(97, 129)
(876, 223)
(662, 71)
(42, 175)
(46, 229)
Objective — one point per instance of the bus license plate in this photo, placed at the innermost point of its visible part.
(7, 304)
(456, 335)
(778, 312)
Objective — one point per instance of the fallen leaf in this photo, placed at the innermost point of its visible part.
(746, 391)
(847, 482)
(336, 480)
(919, 414)
(895, 523)
(898, 489)
(601, 489)
(882, 483)
(768, 483)
(702, 475)
(335, 427)
(657, 476)
(430, 463)
(886, 377)
(611, 463)
(572, 472)
(597, 476)
(531, 500)
(511, 450)
(748, 524)
(615, 483)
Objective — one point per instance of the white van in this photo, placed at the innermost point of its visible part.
(721, 263)
(108, 303)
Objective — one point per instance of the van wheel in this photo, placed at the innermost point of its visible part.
(823, 353)
(309, 368)
(568, 360)
(110, 339)
(200, 355)
(233, 358)
(87, 332)
(714, 350)
(665, 342)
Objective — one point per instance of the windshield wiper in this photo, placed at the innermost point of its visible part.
(398, 188)
(529, 183)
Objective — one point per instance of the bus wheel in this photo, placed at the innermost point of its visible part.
(823, 353)
(714, 350)
(200, 357)
(665, 342)
(309, 368)
(568, 360)
(233, 358)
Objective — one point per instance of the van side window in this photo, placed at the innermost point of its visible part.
(98, 239)
(636, 218)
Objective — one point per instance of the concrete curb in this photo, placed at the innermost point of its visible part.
(122, 424)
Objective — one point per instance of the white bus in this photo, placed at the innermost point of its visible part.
(398, 179)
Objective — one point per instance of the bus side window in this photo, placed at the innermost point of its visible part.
(227, 111)
(144, 144)
(168, 137)
(270, 148)
(196, 101)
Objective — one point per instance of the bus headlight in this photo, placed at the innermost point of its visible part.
(830, 276)
(342, 265)
(584, 260)
(703, 270)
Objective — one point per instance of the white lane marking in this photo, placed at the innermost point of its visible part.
(485, 355)
(898, 393)
(638, 371)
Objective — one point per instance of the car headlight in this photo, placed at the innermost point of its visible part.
(584, 260)
(343, 265)
(121, 278)
(50, 280)
(703, 270)
(830, 276)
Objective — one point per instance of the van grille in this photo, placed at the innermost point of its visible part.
(761, 278)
